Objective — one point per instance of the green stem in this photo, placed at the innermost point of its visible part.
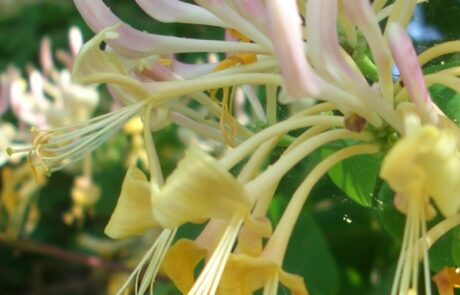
(271, 103)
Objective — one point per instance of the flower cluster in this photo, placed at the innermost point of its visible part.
(47, 99)
(333, 52)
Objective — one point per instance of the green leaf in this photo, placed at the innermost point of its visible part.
(309, 256)
(441, 253)
(447, 100)
(356, 176)
(393, 221)
(456, 245)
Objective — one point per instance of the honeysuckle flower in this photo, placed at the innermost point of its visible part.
(85, 194)
(426, 147)
(183, 199)
(134, 43)
(266, 45)
(187, 195)
(16, 198)
(52, 99)
(245, 274)
(131, 80)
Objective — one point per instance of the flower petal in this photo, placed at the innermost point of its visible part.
(286, 35)
(133, 213)
(197, 190)
(411, 74)
(235, 21)
(180, 262)
(431, 161)
(175, 11)
(134, 43)
(245, 274)
(323, 45)
(94, 65)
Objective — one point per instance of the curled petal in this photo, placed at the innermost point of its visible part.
(134, 43)
(197, 190)
(235, 21)
(411, 74)
(94, 65)
(132, 214)
(181, 261)
(245, 274)
(175, 11)
(286, 35)
(323, 45)
(431, 162)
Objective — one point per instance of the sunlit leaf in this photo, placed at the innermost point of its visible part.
(447, 100)
(356, 176)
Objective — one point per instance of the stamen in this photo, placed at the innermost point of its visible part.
(152, 270)
(57, 148)
(226, 117)
(406, 276)
(209, 278)
(156, 254)
(271, 286)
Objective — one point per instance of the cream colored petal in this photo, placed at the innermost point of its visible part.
(429, 159)
(197, 190)
(180, 262)
(93, 66)
(133, 213)
(245, 274)
(286, 34)
(403, 154)
(294, 283)
(411, 73)
(250, 236)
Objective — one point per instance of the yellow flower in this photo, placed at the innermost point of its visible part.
(180, 262)
(423, 164)
(431, 162)
(198, 190)
(133, 213)
(245, 274)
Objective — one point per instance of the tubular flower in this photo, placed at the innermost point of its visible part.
(431, 161)
(293, 46)
(50, 100)
(196, 191)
